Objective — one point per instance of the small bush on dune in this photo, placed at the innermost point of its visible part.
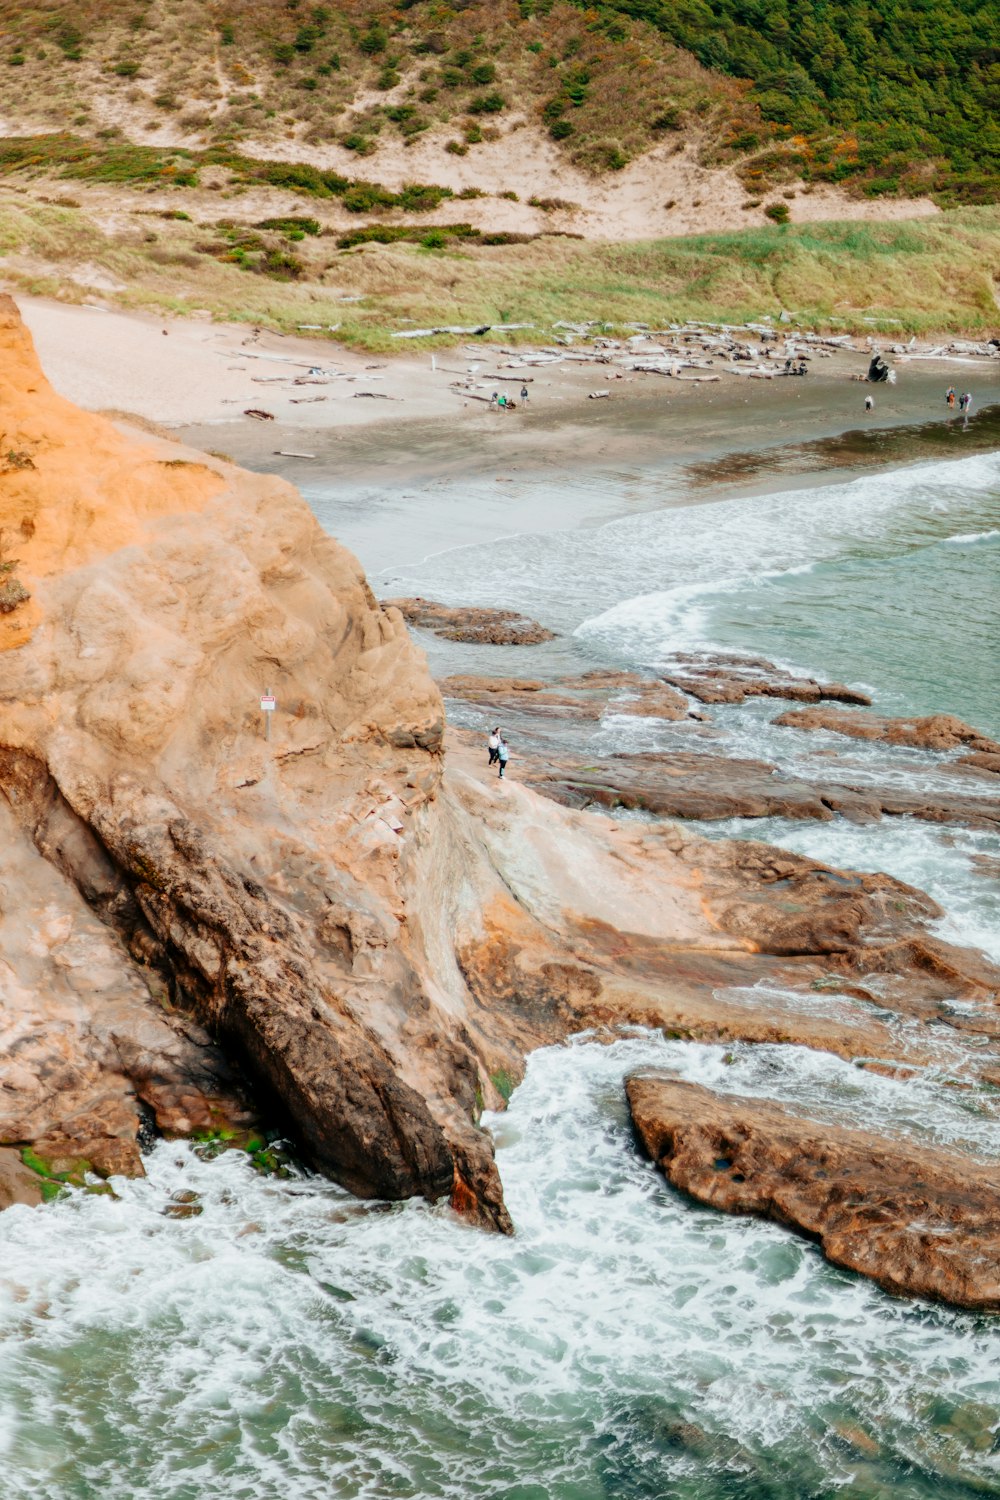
(487, 104)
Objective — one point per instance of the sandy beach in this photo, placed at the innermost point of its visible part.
(196, 375)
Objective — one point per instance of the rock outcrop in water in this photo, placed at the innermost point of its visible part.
(933, 732)
(203, 923)
(719, 678)
(583, 698)
(917, 1220)
(483, 627)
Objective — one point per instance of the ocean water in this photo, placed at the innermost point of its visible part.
(290, 1343)
(626, 1345)
(889, 580)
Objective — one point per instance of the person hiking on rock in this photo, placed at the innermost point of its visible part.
(503, 755)
(493, 745)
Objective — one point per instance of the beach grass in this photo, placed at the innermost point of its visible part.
(922, 276)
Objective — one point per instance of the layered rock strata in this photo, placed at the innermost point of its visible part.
(917, 1220)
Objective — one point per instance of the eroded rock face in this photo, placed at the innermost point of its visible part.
(919, 1221)
(134, 761)
(484, 627)
(934, 732)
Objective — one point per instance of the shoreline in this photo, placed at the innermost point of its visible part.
(102, 358)
(424, 471)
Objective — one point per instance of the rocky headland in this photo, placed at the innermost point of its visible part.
(335, 925)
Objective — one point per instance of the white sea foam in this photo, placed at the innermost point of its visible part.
(734, 545)
(291, 1341)
(968, 538)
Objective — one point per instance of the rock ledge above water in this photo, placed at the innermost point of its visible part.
(916, 1219)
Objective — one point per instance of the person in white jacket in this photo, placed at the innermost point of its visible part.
(493, 745)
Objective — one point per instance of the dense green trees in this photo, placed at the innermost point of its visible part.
(913, 84)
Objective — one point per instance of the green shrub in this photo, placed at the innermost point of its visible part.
(484, 73)
(375, 40)
(560, 130)
(777, 212)
(70, 39)
(487, 104)
(284, 53)
(291, 224)
(280, 265)
(364, 197)
(421, 198)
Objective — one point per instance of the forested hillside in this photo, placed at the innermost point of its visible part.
(912, 86)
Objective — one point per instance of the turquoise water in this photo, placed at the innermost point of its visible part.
(891, 579)
(290, 1343)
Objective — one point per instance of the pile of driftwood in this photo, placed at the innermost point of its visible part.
(696, 351)
(758, 351)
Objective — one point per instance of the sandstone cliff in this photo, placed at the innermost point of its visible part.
(201, 926)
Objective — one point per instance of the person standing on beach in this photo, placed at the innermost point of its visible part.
(524, 395)
(950, 397)
(493, 745)
(869, 403)
(503, 755)
(967, 398)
